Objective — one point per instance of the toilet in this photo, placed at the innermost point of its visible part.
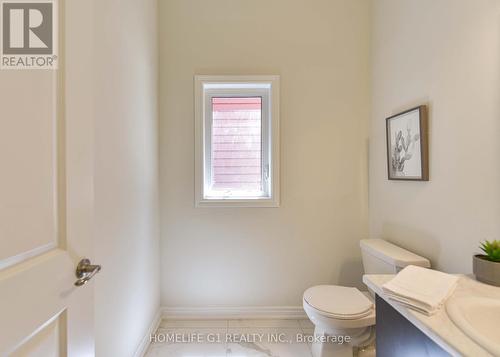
(344, 317)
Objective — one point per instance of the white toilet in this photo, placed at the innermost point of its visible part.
(339, 311)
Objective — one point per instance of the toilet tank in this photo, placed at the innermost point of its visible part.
(382, 257)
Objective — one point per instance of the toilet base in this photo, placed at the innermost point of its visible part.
(368, 351)
(330, 343)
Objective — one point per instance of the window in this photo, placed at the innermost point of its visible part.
(237, 146)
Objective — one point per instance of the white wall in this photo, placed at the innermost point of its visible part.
(126, 181)
(267, 256)
(445, 54)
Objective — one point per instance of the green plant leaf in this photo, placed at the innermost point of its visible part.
(491, 249)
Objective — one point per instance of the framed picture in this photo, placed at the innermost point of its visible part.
(407, 145)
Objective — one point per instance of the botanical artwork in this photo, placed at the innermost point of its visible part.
(405, 145)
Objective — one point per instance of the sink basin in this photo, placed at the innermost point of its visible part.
(478, 318)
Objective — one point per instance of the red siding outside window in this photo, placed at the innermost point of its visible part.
(236, 145)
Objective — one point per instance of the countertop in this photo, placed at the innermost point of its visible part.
(439, 326)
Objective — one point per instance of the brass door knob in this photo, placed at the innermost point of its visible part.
(85, 271)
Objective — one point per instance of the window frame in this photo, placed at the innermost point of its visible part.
(208, 87)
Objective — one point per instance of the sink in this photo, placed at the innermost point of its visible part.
(478, 318)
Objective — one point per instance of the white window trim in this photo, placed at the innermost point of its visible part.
(202, 86)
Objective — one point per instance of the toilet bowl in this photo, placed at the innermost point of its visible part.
(344, 317)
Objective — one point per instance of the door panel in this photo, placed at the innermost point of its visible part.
(28, 157)
(33, 293)
(49, 341)
(46, 197)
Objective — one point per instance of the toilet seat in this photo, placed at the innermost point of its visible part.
(338, 302)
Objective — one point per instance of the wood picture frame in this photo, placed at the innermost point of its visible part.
(407, 145)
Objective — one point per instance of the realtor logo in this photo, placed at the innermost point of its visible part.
(29, 37)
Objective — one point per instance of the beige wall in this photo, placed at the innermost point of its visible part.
(444, 53)
(126, 174)
(267, 256)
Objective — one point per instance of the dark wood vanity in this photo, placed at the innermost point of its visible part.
(398, 337)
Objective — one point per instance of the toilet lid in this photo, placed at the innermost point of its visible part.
(339, 301)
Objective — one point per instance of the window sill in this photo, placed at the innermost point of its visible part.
(257, 203)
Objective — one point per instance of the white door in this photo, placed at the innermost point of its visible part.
(46, 198)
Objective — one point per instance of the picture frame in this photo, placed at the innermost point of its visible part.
(407, 145)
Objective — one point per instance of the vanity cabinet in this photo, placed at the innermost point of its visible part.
(397, 337)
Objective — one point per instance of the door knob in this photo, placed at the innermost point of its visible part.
(85, 271)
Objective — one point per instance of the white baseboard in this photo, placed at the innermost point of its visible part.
(229, 313)
(143, 346)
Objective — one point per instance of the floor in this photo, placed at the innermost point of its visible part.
(232, 338)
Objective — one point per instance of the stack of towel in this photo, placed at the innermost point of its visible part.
(421, 289)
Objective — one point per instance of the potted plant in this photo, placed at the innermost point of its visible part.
(486, 266)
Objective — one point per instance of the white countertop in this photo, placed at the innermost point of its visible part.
(439, 326)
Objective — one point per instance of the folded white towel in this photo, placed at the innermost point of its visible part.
(420, 289)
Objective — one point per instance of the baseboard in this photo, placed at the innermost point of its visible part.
(143, 346)
(229, 313)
